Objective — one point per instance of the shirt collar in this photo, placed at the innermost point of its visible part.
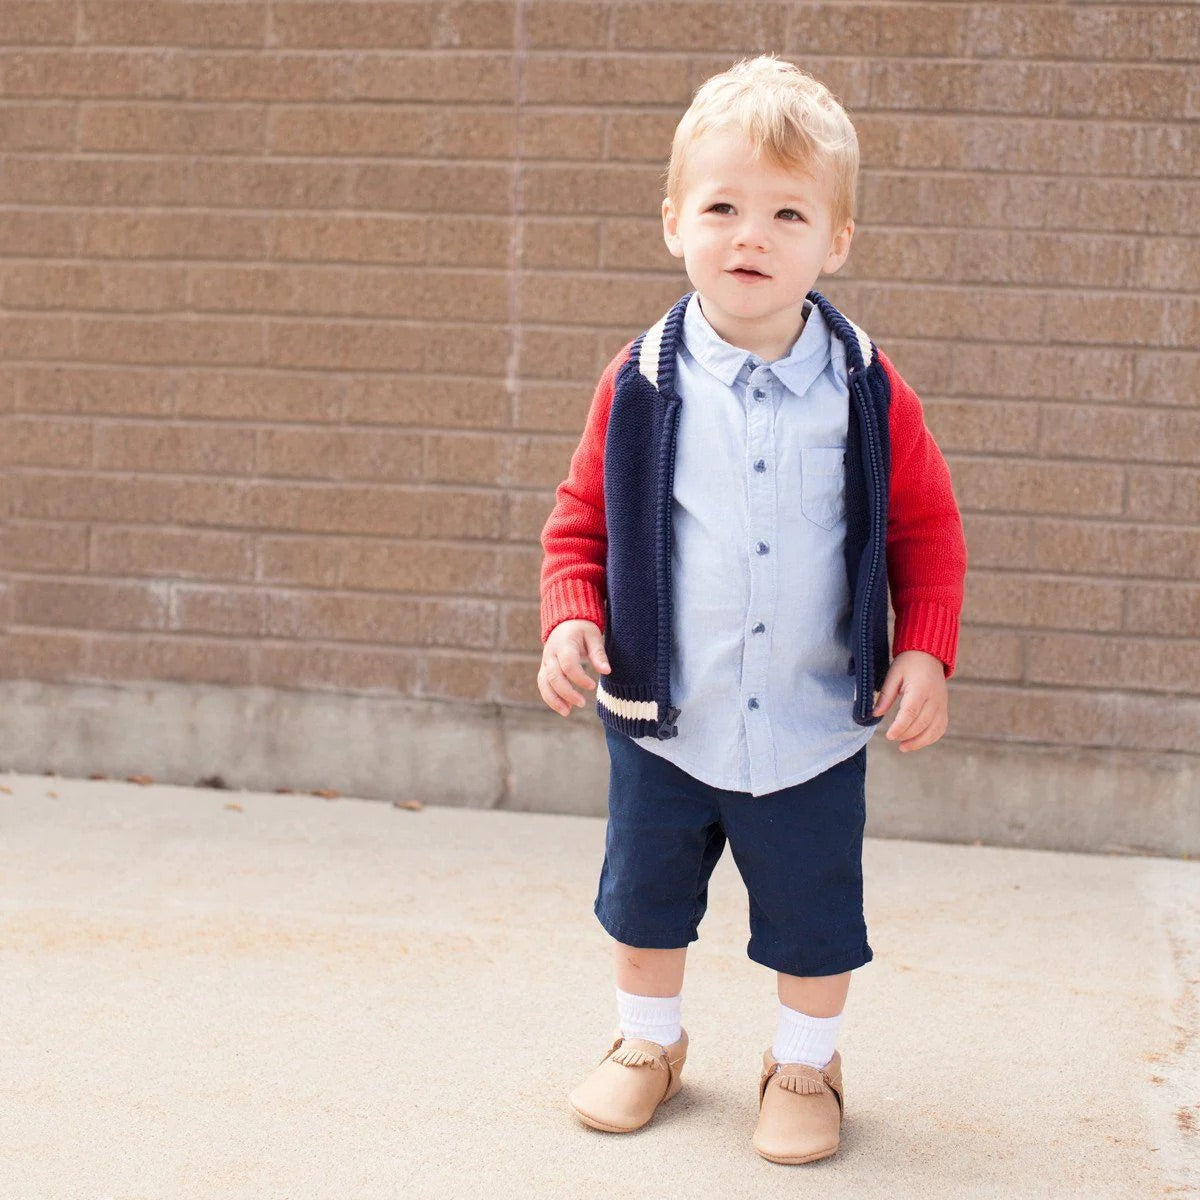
(807, 358)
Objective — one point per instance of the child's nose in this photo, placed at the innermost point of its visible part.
(751, 232)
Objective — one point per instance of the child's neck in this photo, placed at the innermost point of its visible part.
(767, 349)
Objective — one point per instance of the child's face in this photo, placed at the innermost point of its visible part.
(737, 212)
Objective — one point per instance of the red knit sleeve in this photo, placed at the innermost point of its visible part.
(926, 550)
(575, 537)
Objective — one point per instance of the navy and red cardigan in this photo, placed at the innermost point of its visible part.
(607, 542)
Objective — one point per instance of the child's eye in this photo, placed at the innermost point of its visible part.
(793, 212)
(721, 205)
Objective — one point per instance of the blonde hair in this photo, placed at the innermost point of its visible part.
(786, 115)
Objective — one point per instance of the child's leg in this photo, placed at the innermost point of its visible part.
(817, 995)
(810, 1014)
(622, 1092)
(799, 851)
(649, 992)
(662, 841)
(649, 972)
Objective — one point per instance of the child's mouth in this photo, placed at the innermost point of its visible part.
(748, 275)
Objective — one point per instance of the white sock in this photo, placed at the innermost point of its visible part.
(655, 1018)
(804, 1039)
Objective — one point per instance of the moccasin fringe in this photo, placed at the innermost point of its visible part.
(802, 1082)
(631, 1056)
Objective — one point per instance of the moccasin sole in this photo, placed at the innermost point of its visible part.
(588, 1119)
(793, 1161)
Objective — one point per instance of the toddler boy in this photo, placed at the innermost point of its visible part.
(753, 475)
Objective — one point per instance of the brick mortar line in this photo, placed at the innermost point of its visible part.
(946, 112)
(1118, 520)
(1120, 124)
(930, 286)
(252, 425)
(249, 641)
(234, 479)
(351, 372)
(433, 543)
(612, 331)
(927, 285)
(409, 160)
(545, 437)
(627, 53)
(665, 275)
(1152, 66)
(931, 397)
(388, 268)
(364, 372)
(242, 586)
(423, 215)
(134, 633)
(638, 107)
(1078, 689)
(1180, 182)
(930, 400)
(1058, 459)
(1145, 527)
(1129, 583)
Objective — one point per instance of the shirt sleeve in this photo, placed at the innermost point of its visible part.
(926, 548)
(575, 538)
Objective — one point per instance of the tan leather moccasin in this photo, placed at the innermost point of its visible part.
(622, 1092)
(799, 1110)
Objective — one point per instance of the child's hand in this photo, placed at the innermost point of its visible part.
(568, 643)
(920, 680)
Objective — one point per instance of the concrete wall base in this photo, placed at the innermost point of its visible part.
(490, 756)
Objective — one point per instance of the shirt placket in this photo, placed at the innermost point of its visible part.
(762, 397)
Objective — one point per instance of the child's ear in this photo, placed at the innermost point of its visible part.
(670, 220)
(839, 250)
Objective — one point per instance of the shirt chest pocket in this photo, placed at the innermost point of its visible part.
(823, 484)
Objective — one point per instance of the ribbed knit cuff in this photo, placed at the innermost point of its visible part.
(929, 627)
(571, 599)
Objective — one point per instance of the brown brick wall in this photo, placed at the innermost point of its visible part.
(303, 304)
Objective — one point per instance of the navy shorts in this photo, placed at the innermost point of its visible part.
(798, 850)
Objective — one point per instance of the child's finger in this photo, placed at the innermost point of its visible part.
(910, 708)
(891, 686)
(549, 694)
(932, 732)
(917, 730)
(595, 650)
(572, 666)
(573, 661)
(560, 680)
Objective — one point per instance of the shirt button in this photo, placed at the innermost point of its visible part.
(760, 465)
(759, 393)
(752, 703)
(758, 628)
(762, 547)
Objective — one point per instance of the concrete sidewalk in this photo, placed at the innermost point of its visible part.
(214, 994)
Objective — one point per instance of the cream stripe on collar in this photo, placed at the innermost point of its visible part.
(864, 342)
(651, 349)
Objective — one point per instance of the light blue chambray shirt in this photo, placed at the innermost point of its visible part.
(760, 639)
